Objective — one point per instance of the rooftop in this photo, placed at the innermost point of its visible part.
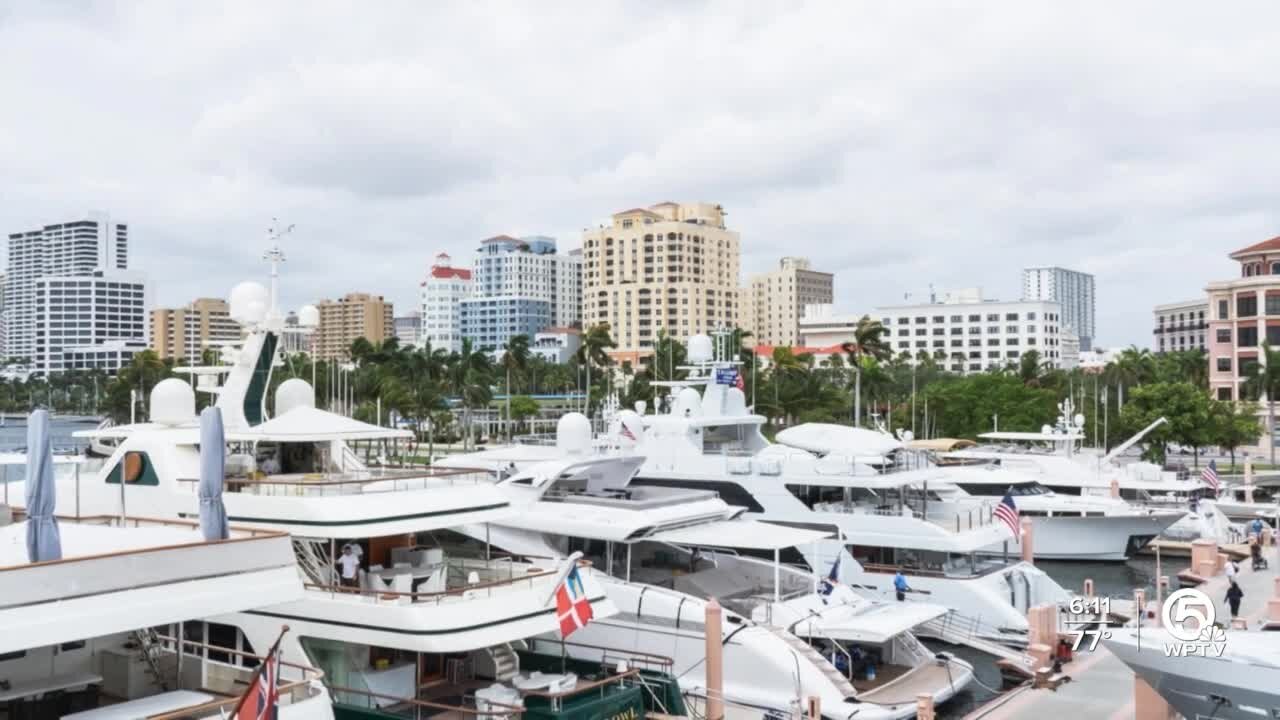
(1264, 246)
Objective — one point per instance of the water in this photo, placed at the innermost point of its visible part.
(13, 435)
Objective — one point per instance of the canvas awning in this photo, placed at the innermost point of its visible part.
(744, 534)
(308, 424)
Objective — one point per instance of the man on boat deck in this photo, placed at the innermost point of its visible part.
(349, 565)
(900, 585)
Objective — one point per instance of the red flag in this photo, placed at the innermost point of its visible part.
(572, 606)
(739, 383)
(262, 700)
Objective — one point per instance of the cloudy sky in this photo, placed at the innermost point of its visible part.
(896, 144)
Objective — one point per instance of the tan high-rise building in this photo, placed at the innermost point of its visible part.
(185, 332)
(354, 315)
(673, 266)
(773, 302)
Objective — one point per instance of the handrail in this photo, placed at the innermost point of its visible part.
(316, 673)
(581, 688)
(442, 593)
(427, 473)
(142, 550)
(661, 660)
(506, 710)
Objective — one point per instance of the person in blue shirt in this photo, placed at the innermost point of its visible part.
(1256, 529)
(900, 585)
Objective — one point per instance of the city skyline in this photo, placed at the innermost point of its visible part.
(1016, 139)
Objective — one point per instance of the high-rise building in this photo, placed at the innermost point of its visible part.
(186, 332)
(1180, 325)
(78, 248)
(4, 347)
(408, 328)
(773, 302)
(442, 294)
(1243, 315)
(671, 267)
(963, 333)
(1074, 293)
(67, 286)
(520, 286)
(354, 315)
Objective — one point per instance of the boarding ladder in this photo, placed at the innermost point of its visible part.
(960, 629)
(807, 651)
(149, 650)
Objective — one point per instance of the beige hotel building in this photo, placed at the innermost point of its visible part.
(773, 302)
(671, 266)
(352, 316)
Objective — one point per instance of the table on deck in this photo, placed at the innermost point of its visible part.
(145, 707)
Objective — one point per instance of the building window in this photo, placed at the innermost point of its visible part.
(1247, 337)
(1246, 305)
(1224, 364)
(1223, 309)
(1224, 394)
(1273, 304)
(1273, 335)
(1224, 335)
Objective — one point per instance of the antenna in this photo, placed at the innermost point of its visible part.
(275, 256)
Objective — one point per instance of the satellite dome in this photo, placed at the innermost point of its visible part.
(688, 404)
(248, 303)
(700, 349)
(294, 393)
(573, 434)
(308, 316)
(173, 402)
(630, 428)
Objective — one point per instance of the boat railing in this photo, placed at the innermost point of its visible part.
(416, 708)
(532, 577)
(556, 698)
(304, 686)
(372, 480)
(610, 656)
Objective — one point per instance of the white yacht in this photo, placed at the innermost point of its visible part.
(1242, 683)
(710, 441)
(118, 627)
(789, 634)
(1244, 503)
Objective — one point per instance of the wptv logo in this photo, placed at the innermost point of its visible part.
(1190, 618)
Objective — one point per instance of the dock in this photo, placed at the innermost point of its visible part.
(1100, 685)
(1182, 549)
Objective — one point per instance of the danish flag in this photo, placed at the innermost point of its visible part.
(572, 606)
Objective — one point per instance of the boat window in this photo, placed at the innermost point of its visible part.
(68, 646)
(13, 655)
(1030, 488)
(729, 491)
(136, 468)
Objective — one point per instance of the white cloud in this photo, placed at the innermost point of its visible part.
(898, 145)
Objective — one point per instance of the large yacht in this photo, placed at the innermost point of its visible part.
(1238, 683)
(669, 549)
(710, 441)
(119, 625)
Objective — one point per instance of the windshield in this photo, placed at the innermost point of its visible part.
(994, 490)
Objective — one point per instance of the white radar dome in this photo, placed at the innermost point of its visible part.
(688, 404)
(294, 393)
(308, 316)
(700, 349)
(573, 434)
(630, 428)
(173, 402)
(248, 303)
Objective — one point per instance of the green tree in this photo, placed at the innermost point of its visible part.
(1233, 425)
(596, 341)
(1183, 405)
(868, 342)
(515, 358)
(522, 407)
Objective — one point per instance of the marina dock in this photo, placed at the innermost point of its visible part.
(1100, 685)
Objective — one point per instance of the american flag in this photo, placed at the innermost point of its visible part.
(1007, 513)
(1210, 475)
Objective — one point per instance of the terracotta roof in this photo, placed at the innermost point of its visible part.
(767, 350)
(1272, 244)
(499, 238)
(560, 330)
(640, 211)
(444, 271)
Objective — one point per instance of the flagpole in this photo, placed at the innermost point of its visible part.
(253, 679)
(564, 573)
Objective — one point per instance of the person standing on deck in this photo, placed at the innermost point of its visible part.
(349, 566)
(1234, 596)
(900, 585)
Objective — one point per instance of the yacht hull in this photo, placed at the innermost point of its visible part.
(1201, 686)
(1111, 538)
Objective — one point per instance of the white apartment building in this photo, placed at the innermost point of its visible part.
(672, 266)
(408, 328)
(442, 293)
(773, 302)
(70, 249)
(963, 333)
(1180, 325)
(519, 287)
(1074, 292)
(107, 309)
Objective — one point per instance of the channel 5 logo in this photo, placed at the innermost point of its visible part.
(1190, 618)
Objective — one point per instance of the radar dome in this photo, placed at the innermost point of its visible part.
(294, 393)
(308, 316)
(630, 428)
(248, 303)
(1046, 429)
(173, 402)
(573, 434)
(700, 349)
(688, 404)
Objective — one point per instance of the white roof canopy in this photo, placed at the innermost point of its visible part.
(746, 534)
(308, 424)
(1030, 436)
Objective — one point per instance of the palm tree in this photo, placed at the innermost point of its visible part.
(868, 341)
(1264, 378)
(515, 356)
(1031, 368)
(594, 343)
(469, 367)
(1134, 366)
